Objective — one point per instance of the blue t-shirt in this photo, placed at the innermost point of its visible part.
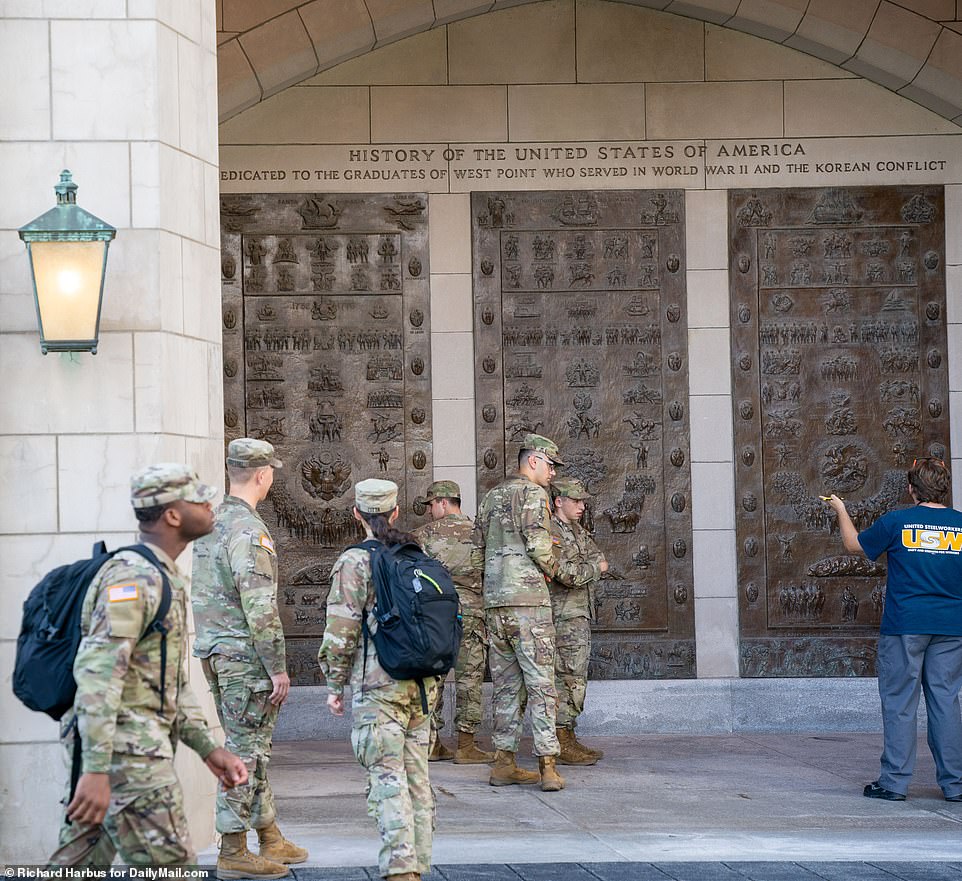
(924, 590)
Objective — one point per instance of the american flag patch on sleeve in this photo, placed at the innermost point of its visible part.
(119, 593)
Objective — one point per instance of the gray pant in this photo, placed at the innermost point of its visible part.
(904, 663)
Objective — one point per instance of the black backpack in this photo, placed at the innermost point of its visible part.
(417, 611)
(50, 632)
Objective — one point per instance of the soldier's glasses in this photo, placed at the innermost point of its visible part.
(547, 462)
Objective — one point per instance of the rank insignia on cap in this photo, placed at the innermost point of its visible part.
(120, 593)
(265, 542)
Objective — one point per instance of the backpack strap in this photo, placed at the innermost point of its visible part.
(369, 545)
(76, 763)
(424, 695)
(157, 623)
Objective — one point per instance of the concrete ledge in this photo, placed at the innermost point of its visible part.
(690, 706)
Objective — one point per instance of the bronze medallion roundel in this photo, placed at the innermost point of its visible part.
(673, 312)
(489, 413)
(419, 460)
(417, 366)
(677, 457)
(416, 317)
(681, 594)
(414, 267)
(418, 415)
(490, 460)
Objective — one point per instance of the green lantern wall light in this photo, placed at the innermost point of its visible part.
(67, 247)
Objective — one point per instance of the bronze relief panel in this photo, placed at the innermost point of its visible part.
(326, 324)
(840, 380)
(581, 334)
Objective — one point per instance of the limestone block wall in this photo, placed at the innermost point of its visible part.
(123, 93)
(589, 73)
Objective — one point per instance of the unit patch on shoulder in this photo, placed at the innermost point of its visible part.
(265, 542)
(119, 593)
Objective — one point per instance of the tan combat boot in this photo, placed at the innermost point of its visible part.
(236, 861)
(468, 752)
(406, 876)
(551, 780)
(506, 771)
(439, 752)
(274, 846)
(597, 753)
(570, 753)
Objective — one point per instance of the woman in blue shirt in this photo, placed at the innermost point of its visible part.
(920, 638)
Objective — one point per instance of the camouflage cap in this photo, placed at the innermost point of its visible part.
(570, 488)
(542, 445)
(246, 452)
(168, 482)
(373, 496)
(443, 489)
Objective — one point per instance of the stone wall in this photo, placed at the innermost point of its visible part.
(124, 95)
(592, 74)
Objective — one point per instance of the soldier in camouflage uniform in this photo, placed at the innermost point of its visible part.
(128, 799)
(241, 641)
(390, 733)
(447, 538)
(513, 532)
(571, 606)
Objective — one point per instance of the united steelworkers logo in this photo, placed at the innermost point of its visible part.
(929, 539)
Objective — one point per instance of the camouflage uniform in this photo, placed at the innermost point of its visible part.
(241, 641)
(449, 541)
(390, 734)
(571, 597)
(512, 531)
(123, 730)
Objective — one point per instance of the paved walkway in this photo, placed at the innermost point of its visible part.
(735, 871)
(759, 807)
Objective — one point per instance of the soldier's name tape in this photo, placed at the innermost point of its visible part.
(147, 872)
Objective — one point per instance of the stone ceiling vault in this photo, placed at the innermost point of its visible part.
(912, 47)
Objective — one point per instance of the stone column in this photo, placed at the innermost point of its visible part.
(122, 93)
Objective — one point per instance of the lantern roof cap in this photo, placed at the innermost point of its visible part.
(67, 221)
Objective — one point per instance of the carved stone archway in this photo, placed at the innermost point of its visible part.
(266, 47)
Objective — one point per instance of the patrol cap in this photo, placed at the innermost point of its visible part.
(542, 445)
(168, 482)
(570, 488)
(246, 452)
(373, 496)
(443, 489)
